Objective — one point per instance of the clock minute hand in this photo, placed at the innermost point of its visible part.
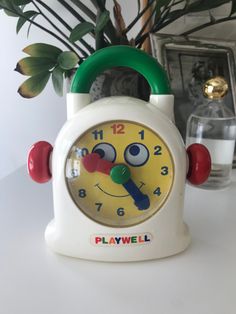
(141, 200)
(120, 174)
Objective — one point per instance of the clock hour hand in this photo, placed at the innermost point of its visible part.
(93, 162)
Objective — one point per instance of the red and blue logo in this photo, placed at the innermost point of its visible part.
(121, 240)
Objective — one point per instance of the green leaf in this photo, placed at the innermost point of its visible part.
(30, 24)
(233, 8)
(22, 20)
(21, 2)
(102, 21)
(173, 15)
(80, 30)
(34, 65)
(161, 3)
(43, 50)
(34, 85)
(4, 3)
(11, 13)
(109, 30)
(57, 80)
(68, 60)
(203, 5)
(99, 4)
(10, 8)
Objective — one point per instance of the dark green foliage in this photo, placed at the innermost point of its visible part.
(97, 22)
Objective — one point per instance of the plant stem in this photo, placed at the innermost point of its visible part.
(139, 5)
(173, 4)
(210, 23)
(79, 18)
(85, 9)
(158, 27)
(71, 10)
(109, 30)
(58, 29)
(42, 28)
(168, 8)
(140, 14)
(140, 41)
(147, 22)
(67, 26)
(99, 42)
(198, 28)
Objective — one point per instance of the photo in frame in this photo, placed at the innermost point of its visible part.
(189, 62)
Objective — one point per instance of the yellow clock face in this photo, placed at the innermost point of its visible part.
(119, 173)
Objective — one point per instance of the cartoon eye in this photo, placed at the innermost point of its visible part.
(136, 154)
(106, 151)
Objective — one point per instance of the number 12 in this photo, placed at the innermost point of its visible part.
(118, 128)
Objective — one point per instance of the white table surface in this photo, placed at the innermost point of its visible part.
(33, 280)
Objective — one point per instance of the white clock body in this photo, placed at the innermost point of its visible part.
(73, 233)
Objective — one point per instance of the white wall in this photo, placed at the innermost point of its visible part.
(22, 121)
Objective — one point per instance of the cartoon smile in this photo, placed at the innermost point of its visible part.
(98, 186)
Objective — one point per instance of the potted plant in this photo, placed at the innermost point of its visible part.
(44, 60)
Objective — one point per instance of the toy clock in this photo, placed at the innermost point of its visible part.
(119, 168)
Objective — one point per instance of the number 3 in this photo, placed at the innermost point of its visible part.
(164, 171)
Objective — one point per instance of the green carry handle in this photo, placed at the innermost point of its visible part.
(125, 56)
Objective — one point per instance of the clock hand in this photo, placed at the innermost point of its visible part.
(93, 162)
(119, 174)
(141, 200)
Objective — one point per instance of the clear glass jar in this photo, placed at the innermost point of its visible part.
(214, 125)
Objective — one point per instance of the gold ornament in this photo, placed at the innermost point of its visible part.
(215, 88)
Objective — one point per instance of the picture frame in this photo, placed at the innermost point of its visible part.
(189, 62)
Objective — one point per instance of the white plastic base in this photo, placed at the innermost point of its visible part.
(81, 246)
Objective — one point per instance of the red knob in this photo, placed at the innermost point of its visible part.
(199, 164)
(39, 162)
